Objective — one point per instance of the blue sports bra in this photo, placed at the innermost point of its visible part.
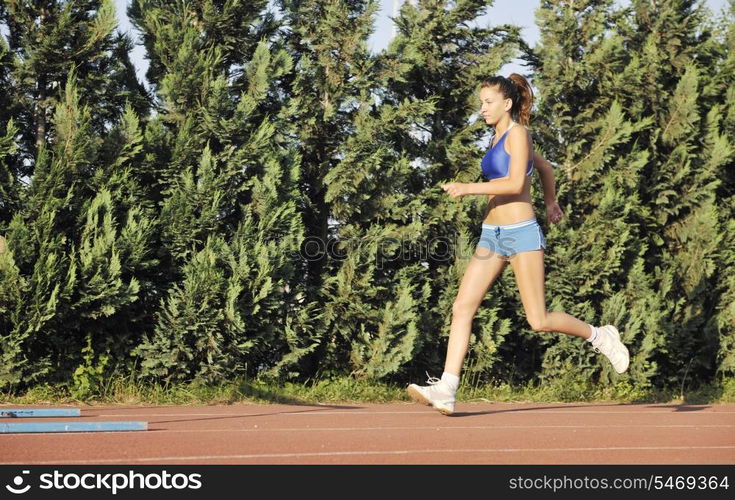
(496, 162)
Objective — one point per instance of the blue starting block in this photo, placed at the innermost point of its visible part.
(33, 427)
(69, 426)
(39, 412)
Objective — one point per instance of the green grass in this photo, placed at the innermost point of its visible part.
(579, 391)
(126, 390)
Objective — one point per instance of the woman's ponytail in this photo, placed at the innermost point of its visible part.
(522, 108)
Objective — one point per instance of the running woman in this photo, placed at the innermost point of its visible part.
(510, 233)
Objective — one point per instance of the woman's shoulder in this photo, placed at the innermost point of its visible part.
(519, 132)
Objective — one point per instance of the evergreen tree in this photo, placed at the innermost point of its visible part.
(10, 185)
(391, 224)
(225, 188)
(68, 268)
(326, 41)
(724, 94)
(49, 38)
(280, 212)
(640, 160)
(688, 153)
(49, 249)
(594, 260)
(11, 189)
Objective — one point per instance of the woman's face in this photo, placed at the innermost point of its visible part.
(493, 105)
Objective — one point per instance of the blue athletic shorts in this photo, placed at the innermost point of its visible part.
(510, 239)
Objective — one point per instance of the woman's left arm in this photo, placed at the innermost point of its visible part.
(546, 173)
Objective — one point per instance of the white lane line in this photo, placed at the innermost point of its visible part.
(384, 429)
(370, 452)
(256, 428)
(522, 411)
(528, 411)
(438, 428)
(410, 428)
(426, 412)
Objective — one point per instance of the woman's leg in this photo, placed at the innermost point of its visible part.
(481, 272)
(528, 268)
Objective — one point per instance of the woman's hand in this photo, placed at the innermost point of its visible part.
(553, 212)
(455, 189)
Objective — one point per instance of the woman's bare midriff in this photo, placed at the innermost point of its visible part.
(510, 208)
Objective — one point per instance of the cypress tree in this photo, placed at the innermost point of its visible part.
(595, 259)
(439, 57)
(332, 76)
(68, 284)
(52, 37)
(52, 316)
(688, 153)
(724, 94)
(10, 186)
(225, 188)
(119, 173)
(12, 283)
(623, 111)
(393, 227)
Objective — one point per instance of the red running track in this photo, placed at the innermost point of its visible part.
(396, 433)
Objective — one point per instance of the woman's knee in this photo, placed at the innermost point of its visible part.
(538, 322)
(464, 308)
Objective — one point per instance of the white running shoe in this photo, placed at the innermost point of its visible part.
(608, 343)
(435, 394)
